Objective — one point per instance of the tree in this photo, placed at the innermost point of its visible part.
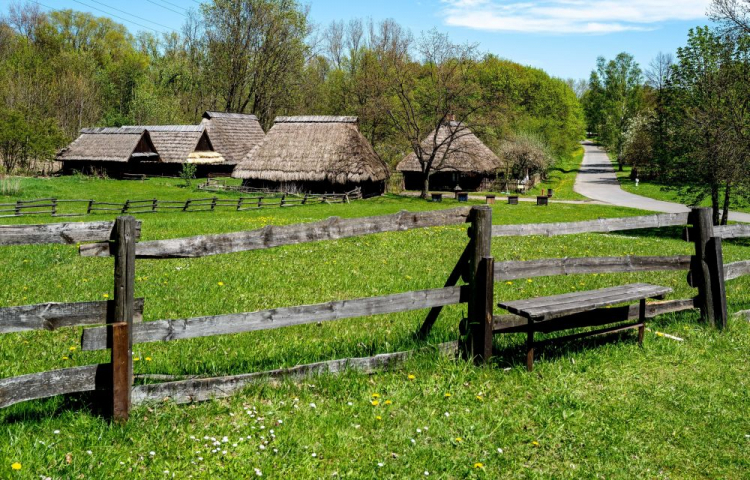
(709, 107)
(438, 96)
(616, 96)
(733, 14)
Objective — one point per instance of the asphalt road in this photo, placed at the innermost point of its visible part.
(597, 181)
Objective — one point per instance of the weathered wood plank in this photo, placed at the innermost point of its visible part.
(168, 330)
(478, 346)
(69, 232)
(736, 269)
(732, 231)
(51, 316)
(122, 329)
(592, 226)
(602, 316)
(513, 270)
(196, 390)
(56, 382)
(275, 236)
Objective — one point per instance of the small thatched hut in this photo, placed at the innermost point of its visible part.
(468, 163)
(233, 135)
(314, 154)
(180, 144)
(113, 151)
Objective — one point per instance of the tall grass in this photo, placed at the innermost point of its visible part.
(10, 186)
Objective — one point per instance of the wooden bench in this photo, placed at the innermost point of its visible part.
(569, 305)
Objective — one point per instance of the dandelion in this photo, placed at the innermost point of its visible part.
(509, 283)
(375, 403)
(148, 359)
(221, 284)
(459, 439)
(411, 376)
(387, 402)
(137, 359)
(447, 395)
(378, 417)
(529, 280)
(375, 395)
(480, 398)
(106, 295)
(535, 443)
(65, 358)
(478, 465)
(16, 466)
(72, 349)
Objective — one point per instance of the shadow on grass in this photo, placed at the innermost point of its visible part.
(37, 411)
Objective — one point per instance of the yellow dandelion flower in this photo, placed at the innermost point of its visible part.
(15, 466)
(375, 395)
(529, 280)
(459, 439)
(221, 284)
(535, 443)
(509, 283)
(479, 397)
(411, 377)
(136, 359)
(106, 295)
(378, 417)
(148, 359)
(375, 403)
(72, 349)
(478, 465)
(447, 395)
(387, 402)
(65, 358)
(659, 334)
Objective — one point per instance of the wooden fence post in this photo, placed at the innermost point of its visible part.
(479, 343)
(707, 269)
(122, 340)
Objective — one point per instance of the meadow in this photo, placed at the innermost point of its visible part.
(598, 408)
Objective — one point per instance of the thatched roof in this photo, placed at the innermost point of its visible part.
(183, 144)
(233, 135)
(110, 145)
(466, 152)
(313, 148)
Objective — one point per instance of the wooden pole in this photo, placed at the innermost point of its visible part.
(479, 343)
(715, 260)
(122, 340)
(707, 270)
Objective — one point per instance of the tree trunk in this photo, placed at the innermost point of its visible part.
(715, 202)
(727, 196)
(425, 186)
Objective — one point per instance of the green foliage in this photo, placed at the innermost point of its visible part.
(187, 174)
(24, 139)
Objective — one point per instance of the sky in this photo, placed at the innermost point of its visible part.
(563, 37)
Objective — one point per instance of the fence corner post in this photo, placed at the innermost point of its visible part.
(707, 269)
(122, 332)
(481, 280)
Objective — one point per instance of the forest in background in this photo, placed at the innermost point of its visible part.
(64, 70)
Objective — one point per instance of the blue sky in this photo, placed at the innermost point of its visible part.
(563, 37)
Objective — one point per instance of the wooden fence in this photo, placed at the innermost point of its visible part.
(74, 208)
(122, 316)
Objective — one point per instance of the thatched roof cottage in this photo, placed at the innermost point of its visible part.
(468, 163)
(112, 150)
(320, 154)
(233, 135)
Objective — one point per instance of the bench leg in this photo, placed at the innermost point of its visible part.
(642, 320)
(530, 349)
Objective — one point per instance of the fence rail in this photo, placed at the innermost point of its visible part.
(581, 265)
(51, 316)
(70, 233)
(604, 225)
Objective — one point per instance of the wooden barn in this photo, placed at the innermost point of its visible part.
(314, 154)
(233, 135)
(180, 144)
(469, 164)
(113, 151)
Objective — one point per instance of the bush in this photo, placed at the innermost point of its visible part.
(188, 173)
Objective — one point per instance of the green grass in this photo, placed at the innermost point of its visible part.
(562, 176)
(659, 191)
(596, 408)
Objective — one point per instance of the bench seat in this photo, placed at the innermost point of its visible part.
(541, 309)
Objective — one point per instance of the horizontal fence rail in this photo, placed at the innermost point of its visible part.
(276, 236)
(55, 382)
(201, 389)
(732, 231)
(69, 233)
(736, 269)
(581, 265)
(168, 330)
(51, 316)
(592, 226)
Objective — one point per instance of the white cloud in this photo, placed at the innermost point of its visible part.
(569, 16)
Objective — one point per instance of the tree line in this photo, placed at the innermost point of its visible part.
(63, 70)
(685, 121)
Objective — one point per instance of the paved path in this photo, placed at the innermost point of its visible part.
(597, 180)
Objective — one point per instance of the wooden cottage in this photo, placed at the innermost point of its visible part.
(181, 144)
(233, 135)
(113, 151)
(466, 163)
(314, 154)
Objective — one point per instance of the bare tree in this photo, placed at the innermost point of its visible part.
(333, 38)
(659, 71)
(579, 86)
(733, 14)
(437, 96)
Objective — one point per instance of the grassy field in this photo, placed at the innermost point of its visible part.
(600, 408)
(562, 177)
(659, 192)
